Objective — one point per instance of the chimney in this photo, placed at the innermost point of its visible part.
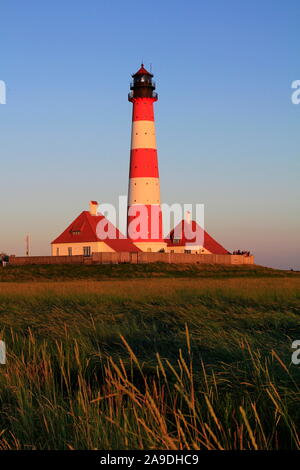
(93, 207)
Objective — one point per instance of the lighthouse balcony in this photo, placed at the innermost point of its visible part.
(133, 94)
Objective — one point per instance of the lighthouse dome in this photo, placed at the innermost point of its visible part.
(142, 71)
(142, 84)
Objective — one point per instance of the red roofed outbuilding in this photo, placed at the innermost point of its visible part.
(91, 233)
(189, 237)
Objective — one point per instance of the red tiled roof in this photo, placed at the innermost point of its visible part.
(189, 233)
(86, 225)
(142, 71)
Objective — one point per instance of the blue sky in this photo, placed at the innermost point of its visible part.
(227, 131)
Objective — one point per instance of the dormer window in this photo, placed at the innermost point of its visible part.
(75, 232)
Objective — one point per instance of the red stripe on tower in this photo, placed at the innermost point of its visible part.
(143, 163)
(144, 219)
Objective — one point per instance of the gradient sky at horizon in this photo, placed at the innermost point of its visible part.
(227, 131)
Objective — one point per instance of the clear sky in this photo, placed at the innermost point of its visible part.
(227, 131)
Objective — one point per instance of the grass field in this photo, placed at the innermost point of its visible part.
(149, 356)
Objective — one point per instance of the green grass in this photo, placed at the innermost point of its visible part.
(100, 272)
(169, 363)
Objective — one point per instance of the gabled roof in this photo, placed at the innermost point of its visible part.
(84, 230)
(189, 233)
(142, 71)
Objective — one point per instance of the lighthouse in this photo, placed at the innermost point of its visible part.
(91, 233)
(144, 217)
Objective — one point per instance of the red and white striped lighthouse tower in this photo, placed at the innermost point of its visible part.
(144, 220)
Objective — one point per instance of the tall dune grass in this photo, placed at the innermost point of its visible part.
(55, 397)
(152, 364)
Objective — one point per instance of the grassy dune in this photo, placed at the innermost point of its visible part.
(133, 271)
(200, 359)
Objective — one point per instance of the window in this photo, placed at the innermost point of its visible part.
(70, 251)
(57, 251)
(75, 232)
(149, 249)
(86, 251)
(176, 241)
(188, 251)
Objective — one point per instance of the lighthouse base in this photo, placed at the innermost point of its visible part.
(151, 246)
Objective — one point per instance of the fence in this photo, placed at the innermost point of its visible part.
(134, 258)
